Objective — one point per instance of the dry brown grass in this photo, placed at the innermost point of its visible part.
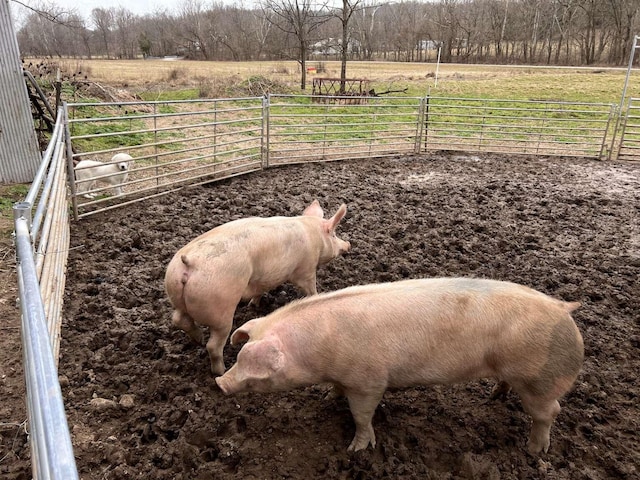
(569, 83)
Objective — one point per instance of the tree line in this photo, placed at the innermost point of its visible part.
(545, 32)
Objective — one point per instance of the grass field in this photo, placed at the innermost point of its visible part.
(189, 79)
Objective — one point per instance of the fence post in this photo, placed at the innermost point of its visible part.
(630, 66)
(420, 126)
(265, 140)
(426, 121)
(70, 169)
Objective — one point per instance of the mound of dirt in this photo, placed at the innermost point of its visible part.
(141, 400)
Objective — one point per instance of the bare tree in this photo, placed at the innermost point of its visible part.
(519, 31)
(445, 20)
(365, 26)
(590, 16)
(298, 18)
(344, 14)
(49, 30)
(103, 21)
(623, 14)
(262, 29)
(245, 32)
(126, 33)
(159, 33)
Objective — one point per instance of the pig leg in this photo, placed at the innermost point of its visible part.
(307, 284)
(218, 313)
(183, 321)
(215, 346)
(543, 411)
(363, 406)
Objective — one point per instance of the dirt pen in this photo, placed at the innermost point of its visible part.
(141, 401)
(139, 398)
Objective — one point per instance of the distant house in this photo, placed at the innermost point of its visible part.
(436, 44)
(331, 46)
(429, 44)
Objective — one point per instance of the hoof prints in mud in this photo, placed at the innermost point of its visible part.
(568, 227)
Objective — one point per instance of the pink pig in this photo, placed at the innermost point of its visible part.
(366, 339)
(242, 259)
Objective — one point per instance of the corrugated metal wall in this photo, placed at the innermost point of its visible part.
(19, 152)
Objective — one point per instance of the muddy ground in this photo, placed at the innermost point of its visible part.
(142, 402)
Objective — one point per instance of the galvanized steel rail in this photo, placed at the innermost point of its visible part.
(187, 142)
(42, 240)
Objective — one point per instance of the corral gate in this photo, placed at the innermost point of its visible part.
(628, 136)
(630, 132)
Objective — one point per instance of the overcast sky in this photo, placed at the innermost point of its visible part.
(138, 7)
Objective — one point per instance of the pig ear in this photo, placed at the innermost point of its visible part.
(314, 210)
(243, 333)
(339, 215)
(269, 354)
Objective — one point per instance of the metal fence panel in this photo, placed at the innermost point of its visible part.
(173, 143)
(629, 148)
(523, 127)
(323, 128)
(178, 143)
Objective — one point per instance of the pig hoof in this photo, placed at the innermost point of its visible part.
(334, 393)
(255, 301)
(500, 391)
(361, 443)
(535, 448)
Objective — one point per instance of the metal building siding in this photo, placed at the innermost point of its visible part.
(19, 152)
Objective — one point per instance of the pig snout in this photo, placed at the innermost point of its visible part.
(343, 247)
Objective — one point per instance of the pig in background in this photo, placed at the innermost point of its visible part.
(241, 260)
(366, 339)
(90, 172)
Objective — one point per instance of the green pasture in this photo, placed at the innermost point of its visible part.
(190, 80)
(479, 102)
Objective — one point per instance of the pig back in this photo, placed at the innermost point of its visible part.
(247, 256)
(435, 331)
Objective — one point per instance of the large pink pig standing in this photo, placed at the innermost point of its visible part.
(242, 259)
(366, 339)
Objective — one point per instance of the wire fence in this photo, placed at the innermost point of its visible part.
(175, 144)
(317, 128)
(526, 127)
(179, 143)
